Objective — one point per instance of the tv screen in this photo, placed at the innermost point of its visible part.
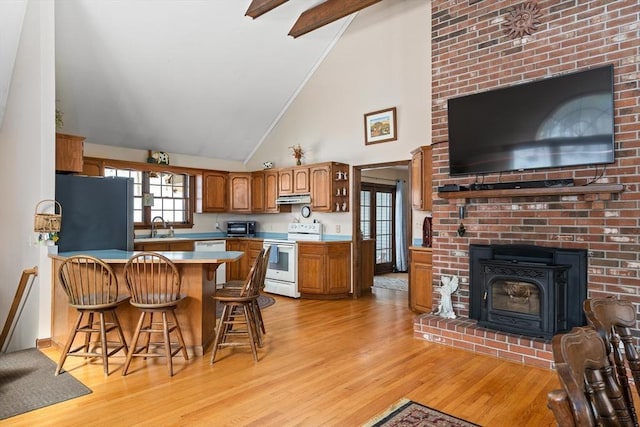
(555, 122)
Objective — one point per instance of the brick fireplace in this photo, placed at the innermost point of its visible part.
(471, 52)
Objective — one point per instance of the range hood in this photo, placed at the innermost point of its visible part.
(294, 199)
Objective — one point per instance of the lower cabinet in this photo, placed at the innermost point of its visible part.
(240, 269)
(421, 279)
(324, 269)
(162, 246)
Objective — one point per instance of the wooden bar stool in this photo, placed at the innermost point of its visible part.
(238, 319)
(92, 288)
(234, 287)
(154, 284)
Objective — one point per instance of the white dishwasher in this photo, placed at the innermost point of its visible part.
(214, 246)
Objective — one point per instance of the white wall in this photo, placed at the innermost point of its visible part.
(27, 148)
(382, 60)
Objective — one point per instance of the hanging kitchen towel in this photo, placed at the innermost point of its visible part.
(274, 255)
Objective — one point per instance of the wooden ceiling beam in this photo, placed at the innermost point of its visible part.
(325, 13)
(260, 7)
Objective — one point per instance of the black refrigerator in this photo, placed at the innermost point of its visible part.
(97, 212)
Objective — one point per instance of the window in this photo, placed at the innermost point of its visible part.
(155, 194)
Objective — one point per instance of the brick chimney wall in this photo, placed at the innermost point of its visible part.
(471, 53)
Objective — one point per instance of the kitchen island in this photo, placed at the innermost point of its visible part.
(196, 313)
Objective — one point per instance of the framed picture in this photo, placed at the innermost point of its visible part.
(380, 126)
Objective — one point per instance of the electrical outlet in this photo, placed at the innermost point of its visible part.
(217, 226)
(337, 228)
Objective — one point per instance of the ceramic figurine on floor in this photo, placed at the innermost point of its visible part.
(449, 286)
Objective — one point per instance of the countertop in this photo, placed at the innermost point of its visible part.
(181, 237)
(193, 237)
(115, 256)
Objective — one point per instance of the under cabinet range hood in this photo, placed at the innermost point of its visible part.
(294, 199)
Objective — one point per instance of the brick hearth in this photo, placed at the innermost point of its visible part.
(466, 334)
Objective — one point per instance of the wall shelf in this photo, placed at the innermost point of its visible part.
(603, 189)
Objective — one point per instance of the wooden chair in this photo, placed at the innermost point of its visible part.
(613, 319)
(591, 395)
(154, 284)
(238, 319)
(92, 288)
(233, 287)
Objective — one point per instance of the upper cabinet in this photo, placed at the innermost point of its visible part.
(254, 192)
(421, 172)
(69, 152)
(329, 183)
(258, 192)
(214, 191)
(271, 193)
(293, 181)
(240, 192)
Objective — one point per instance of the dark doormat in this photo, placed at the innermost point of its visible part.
(27, 382)
(409, 413)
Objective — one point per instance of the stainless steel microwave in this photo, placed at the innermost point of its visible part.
(241, 229)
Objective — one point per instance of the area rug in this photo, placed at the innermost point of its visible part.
(409, 413)
(390, 283)
(264, 301)
(27, 382)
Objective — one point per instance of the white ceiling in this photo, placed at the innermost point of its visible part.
(193, 77)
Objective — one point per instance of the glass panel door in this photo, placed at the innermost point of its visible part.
(377, 221)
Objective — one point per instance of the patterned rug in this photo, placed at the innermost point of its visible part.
(27, 382)
(390, 283)
(263, 302)
(409, 413)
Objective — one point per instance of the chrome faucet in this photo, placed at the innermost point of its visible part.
(154, 231)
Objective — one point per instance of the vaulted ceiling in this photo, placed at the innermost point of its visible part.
(195, 77)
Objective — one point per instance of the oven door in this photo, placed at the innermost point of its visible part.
(282, 262)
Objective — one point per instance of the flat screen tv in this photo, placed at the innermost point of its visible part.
(556, 122)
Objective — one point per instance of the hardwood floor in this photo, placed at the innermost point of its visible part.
(330, 363)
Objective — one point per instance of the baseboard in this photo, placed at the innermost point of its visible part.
(43, 342)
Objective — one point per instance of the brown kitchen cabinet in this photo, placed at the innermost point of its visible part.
(271, 192)
(69, 153)
(258, 192)
(329, 183)
(264, 192)
(214, 191)
(293, 181)
(93, 167)
(421, 174)
(164, 246)
(240, 191)
(421, 279)
(324, 269)
(240, 269)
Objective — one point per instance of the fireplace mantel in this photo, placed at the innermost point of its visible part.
(603, 191)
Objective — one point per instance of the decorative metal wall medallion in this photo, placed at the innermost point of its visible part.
(523, 20)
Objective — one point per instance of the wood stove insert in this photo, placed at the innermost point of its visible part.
(529, 290)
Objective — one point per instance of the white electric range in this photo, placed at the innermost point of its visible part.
(282, 272)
